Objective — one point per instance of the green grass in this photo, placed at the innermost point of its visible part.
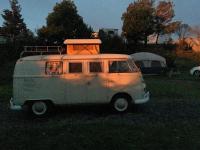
(6, 73)
(175, 87)
(5, 92)
(103, 136)
(6, 81)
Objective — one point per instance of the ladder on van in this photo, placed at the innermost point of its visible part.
(40, 50)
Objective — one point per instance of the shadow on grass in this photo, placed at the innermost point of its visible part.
(83, 113)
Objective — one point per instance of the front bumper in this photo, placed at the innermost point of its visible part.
(13, 106)
(144, 99)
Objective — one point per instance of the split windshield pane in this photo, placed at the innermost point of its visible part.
(120, 67)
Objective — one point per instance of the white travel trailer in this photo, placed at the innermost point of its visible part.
(150, 63)
(45, 80)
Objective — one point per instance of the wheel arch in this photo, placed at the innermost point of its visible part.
(121, 94)
(43, 100)
(196, 70)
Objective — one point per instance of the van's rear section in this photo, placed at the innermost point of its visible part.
(15, 103)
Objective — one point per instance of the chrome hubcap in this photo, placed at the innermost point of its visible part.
(121, 104)
(197, 73)
(39, 108)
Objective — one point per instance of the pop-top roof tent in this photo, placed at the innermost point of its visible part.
(82, 46)
(146, 56)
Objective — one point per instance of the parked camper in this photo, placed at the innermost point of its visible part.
(42, 81)
(150, 63)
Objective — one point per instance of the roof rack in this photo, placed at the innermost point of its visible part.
(42, 50)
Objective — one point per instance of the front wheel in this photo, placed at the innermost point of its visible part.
(121, 104)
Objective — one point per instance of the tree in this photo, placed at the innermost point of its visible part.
(13, 24)
(111, 44)
(164, 13)
(183, 31)
(171, 27)
(15, 30)
(64, 22)
(144, 18)
(138, 21)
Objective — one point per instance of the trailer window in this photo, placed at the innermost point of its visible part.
(54, 68)
(95, 67)
(119, 67)
(75, 67)
(155, 64)
(139, 64)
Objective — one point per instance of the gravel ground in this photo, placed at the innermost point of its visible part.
(163, 111)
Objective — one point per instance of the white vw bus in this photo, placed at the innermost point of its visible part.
(42, 81)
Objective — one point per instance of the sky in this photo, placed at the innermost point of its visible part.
(97, 13)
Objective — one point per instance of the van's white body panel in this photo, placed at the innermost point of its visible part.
(30, 82)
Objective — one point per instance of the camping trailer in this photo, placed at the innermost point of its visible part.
(150, 63)
(42, 81)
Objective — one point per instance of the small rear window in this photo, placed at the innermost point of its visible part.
(95, 67)
(75, 67)
(54, 68)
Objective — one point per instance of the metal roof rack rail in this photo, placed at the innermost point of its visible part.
(42, 50)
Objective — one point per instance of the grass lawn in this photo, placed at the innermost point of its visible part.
(170, 120)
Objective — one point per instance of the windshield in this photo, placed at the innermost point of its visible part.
(122, 66)
(133, 66)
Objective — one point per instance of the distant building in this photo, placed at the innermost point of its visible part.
(95, 35)
(152, 39)
(110, 31)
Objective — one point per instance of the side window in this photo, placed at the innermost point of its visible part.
(54, 68)
(119, 67)
(75, 67)
(95, 67)
(139, 64)
(113, 67)
(155, 64)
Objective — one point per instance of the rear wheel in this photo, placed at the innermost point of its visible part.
(40, 108)
(121, 103)
(197, 73)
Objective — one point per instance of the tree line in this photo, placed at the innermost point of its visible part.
(141, 19)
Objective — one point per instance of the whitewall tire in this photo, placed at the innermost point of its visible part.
(39, 108)
(121, 104)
